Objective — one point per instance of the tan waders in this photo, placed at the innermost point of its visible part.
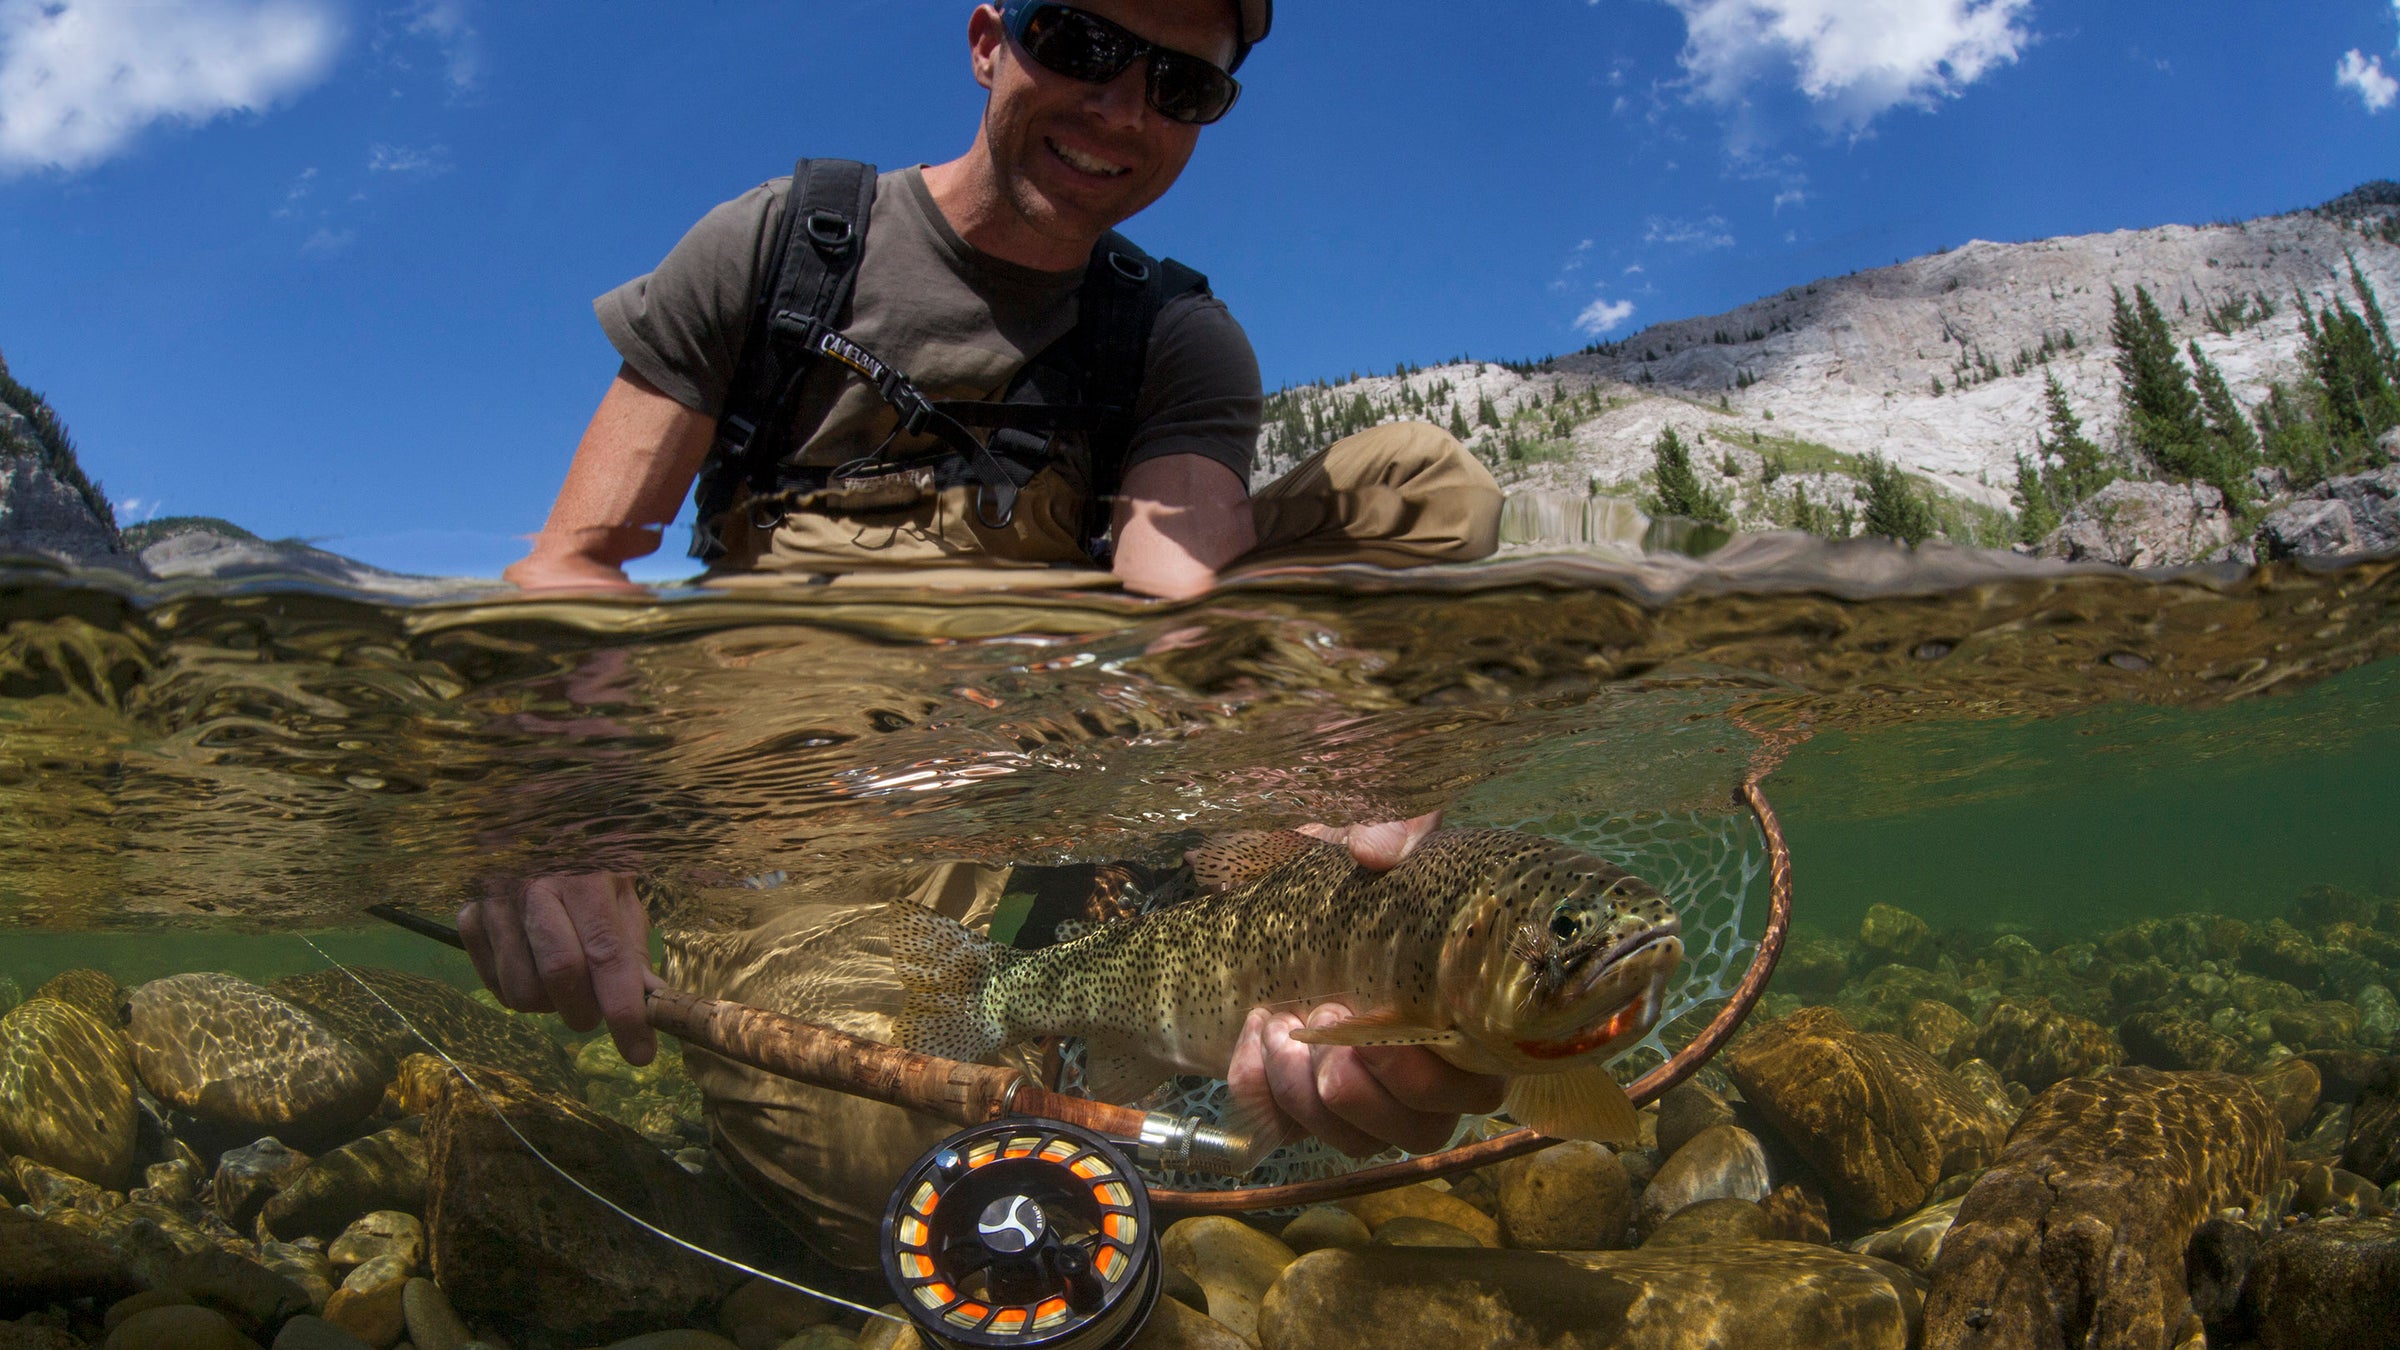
(1400, 495)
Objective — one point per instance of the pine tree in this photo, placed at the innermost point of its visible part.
(2162, 414)
(1680, 491)
(1896, 508)
(1485, 413)
(2082, 467)
(2232, 446)
(2037, 510)
(2351, 389)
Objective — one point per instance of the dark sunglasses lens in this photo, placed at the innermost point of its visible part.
(1074, 44)
(1188, 89)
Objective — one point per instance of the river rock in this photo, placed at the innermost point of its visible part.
(1233, 1262)
(761, 1313)
(1915, 1241)
(249, 1176)
(1986, 1086)
(384, 1170)
(369, 1305)
(183, 1327)
(2335, 1282)
(228, 1051)
(1797, 1213)
(2143, 524)
(42, 1263)
(1179, 1327)
(1719, 1162)
(1425, 1202)
(2033, 1043)
(2215, 1263)
(49, 1191)
(383, 1232)
(66, 1092)
(2346, 1073)
(434, 1325)
(2076, 1234)
(1686, 1110)
(1879, 1119)
(1785, 1295)
(1895, 936)
(1710, 1223)
(1570, 1196)
(2165, 1039)
(1322, 1226)
(511, 1239)
(466, 1030)
(2291, 1086)
(94, 991)
(1939, 1030)
(1410, 1231)
(310, 1332)
(306, 1267)
(2373, 1147)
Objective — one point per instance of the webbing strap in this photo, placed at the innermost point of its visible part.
(807, 290)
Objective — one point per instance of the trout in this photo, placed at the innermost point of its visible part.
(1504, 953)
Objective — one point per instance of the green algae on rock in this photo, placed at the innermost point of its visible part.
(94, 991)
(66, 1092)
(228, 1051)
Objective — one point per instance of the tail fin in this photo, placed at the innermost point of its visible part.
(946, 972)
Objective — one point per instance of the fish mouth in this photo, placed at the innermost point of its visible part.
(1637, 966)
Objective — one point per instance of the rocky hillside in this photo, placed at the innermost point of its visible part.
(51, 511)
(1938, 365)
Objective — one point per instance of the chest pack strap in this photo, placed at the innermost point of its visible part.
(1087, 382)
(808, 287)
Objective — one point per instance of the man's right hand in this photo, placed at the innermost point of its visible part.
(578, 946)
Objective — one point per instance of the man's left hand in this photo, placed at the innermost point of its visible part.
(1379, 847)
(1361, 1100)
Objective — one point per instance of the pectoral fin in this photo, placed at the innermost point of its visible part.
(1112, 1075)
(1582, 1103)
(1377, 1028)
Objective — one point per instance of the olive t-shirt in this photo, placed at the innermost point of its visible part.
(958, 321)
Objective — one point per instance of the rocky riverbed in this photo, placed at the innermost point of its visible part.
(2183, 1133)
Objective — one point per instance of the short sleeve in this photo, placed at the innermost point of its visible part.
(681, 326)
(1200, 389)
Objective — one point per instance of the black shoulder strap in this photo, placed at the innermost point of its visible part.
(1124, 291)
(805, 292)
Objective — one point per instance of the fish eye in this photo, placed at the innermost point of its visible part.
(1565, 925)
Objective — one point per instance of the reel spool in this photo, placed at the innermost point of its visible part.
(1020, 1234)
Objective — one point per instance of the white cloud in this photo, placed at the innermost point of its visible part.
(328, 241)
(429, 161)
(445, 23)
(79, 79)
(2364, 75)
(1858, 59)
(1701, 234)
(1790, 197)
(1603, 316)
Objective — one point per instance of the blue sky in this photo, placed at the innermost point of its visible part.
(324, 267)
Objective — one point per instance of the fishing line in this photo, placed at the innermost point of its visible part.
(570, 1178)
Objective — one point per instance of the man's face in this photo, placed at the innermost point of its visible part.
(1074, 159)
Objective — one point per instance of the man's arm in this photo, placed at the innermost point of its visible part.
(1179, 520)
(636, 460)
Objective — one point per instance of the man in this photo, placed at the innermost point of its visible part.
(970, 269)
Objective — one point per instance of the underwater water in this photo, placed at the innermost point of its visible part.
(2042, 765)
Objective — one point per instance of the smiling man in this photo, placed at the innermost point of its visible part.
(961, 366)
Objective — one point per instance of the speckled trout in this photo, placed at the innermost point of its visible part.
(1504, 953)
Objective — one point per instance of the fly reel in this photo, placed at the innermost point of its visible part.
(1023, 1233)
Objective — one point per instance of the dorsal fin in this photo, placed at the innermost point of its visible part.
(1236, 860)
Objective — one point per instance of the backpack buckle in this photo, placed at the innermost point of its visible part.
(1131, 268)
(828, 230)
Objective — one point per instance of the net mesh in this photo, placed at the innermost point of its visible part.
(1707, 864)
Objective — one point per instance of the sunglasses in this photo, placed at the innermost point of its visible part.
(1067, 41)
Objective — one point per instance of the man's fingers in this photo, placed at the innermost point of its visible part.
(615, 936)
(1424, 1081)
(1382, 846)
(512, 974)
(558, 954)
(1291, 1074)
